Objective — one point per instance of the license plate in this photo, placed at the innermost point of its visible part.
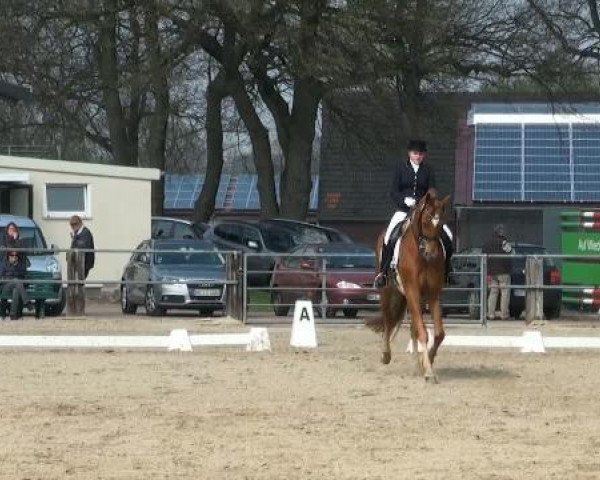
(373, 297)
(519, 292)
(206, 292)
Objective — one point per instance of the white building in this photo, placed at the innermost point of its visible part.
(113, 201)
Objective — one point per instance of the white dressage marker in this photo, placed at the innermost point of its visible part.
(531, 341)
(304, 334)
(256, 340)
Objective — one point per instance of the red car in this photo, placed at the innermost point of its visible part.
(334, 276)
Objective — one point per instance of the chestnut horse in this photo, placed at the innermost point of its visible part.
(419, 278)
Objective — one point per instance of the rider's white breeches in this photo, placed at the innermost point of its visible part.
(396, 219)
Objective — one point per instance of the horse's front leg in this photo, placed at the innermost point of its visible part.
(388, 322)
(438, 325)
(413, 299)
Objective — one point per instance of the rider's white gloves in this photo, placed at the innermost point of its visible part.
(506, 246)
(409, 201)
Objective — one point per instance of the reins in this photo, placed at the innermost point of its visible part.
(420, 237)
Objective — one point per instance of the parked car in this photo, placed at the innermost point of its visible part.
(273, 236)
(177, 228)
(467, 275)
(174, 274)
(346, 270)
(309, 232)
(253, 238)
(43, 263)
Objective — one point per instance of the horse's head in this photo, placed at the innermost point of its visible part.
(429, 216)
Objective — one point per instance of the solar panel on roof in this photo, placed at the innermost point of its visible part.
(537, 162)
(234, 191)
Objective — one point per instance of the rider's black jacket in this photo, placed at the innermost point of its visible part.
(407, 183)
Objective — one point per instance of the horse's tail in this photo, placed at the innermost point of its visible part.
(375, 323)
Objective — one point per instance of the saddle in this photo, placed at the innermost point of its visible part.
(394, 242)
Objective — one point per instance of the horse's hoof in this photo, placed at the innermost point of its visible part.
(431, 378)
(386, 358)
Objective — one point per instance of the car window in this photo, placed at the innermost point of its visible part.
(183, 230)
(532, 250)
(161, 228)
(356, 260)
(186, 256)
(229, 232)
(250, 234)
(31, 237)
(277, 239)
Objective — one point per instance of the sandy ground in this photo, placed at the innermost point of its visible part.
(334, 412)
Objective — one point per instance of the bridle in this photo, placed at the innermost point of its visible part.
(423, 240)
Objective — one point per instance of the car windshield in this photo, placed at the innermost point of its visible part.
(187, 256)
(31, 237)
(278, 239)
(352, 261)
(348, 258)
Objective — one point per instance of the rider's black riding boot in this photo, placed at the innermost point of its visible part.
(387, 252)
(449, 248)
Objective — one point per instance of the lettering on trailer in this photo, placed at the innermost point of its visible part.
(588, 245)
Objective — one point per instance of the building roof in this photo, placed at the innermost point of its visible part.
(81, 168)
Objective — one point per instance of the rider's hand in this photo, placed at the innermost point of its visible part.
(409, 201)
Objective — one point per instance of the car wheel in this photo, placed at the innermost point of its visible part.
(350, 312)
(474, 305)
(553, 312)
(126, 306)
(279, 309)
(330, 312)
(152, 307)
(56, 309)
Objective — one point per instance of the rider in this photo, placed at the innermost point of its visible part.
(411, 182)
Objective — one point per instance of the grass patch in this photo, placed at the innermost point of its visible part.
(259, 301)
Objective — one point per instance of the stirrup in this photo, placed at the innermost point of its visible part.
(380, 280)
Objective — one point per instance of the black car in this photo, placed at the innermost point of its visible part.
(466, 277)
(177, 228)
(310, 232)
(258, 241)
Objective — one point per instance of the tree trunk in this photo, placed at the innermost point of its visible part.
(160, 116)
(205, 204)
(124, 153)
(259, 137)
(296, 180)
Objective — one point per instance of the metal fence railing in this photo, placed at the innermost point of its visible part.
(258, 288)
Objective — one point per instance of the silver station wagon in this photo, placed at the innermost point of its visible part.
(174, 274)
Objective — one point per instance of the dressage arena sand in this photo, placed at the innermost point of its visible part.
(332, 413)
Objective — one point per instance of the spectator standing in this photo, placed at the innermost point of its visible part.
(499, 269)
(13, 268)
(82, 238)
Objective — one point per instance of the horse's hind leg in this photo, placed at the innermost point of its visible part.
(394, 307)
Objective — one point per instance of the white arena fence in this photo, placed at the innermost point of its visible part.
(251, 295)
(256, 340)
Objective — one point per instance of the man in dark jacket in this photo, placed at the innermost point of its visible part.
(499, 269)
(82, 239)
(412, 180)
